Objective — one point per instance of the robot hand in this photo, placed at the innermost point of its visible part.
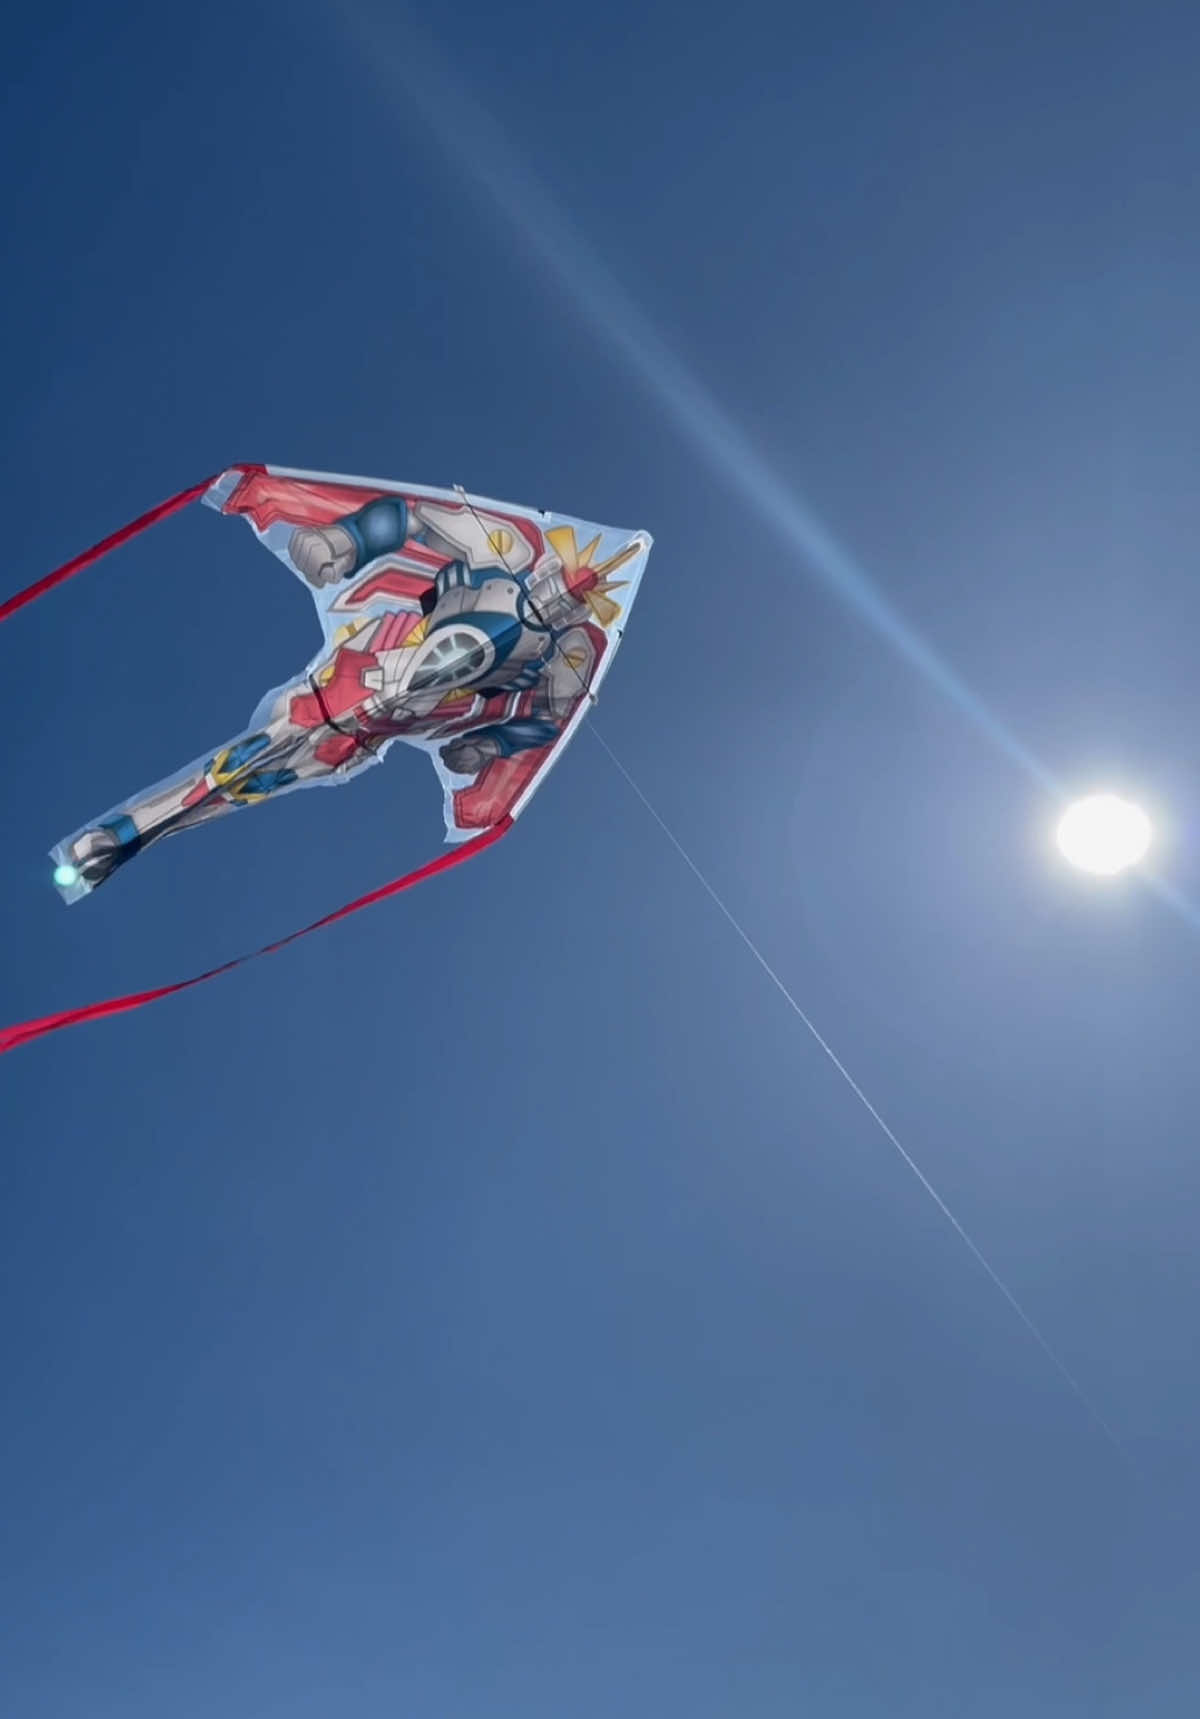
(468, 754)
(323, 554)
(96, 854)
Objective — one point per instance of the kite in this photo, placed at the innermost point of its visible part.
(474, 630)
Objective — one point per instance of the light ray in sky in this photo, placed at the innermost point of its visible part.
(480, 151)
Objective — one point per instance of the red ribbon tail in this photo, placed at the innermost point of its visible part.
(68, 570)
(24, 1032)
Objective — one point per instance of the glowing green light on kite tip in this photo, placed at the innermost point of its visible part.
(65, 876)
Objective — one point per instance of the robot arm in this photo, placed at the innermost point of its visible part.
(325, 554)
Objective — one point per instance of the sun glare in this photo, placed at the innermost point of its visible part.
(1104, 834)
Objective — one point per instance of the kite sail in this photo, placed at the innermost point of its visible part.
(474, 630)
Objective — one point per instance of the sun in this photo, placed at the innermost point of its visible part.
(1104, 834)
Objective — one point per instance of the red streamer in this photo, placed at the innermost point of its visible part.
(25, 1031)
(68, 570)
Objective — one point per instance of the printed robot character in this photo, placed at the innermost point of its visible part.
(489, 651)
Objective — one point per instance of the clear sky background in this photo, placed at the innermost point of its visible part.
(497, 1308)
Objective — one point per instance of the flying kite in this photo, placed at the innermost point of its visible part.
(474, 630)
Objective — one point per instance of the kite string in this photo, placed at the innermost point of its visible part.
(876, 1116)
(822, 1043)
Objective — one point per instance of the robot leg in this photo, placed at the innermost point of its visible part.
(257, 765)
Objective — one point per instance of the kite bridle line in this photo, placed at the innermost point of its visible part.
(367, 745)
(550, 630)
(829, 1053)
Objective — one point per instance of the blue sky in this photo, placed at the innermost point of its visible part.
(498, 1306)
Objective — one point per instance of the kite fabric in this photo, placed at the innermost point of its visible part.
(474, 630)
